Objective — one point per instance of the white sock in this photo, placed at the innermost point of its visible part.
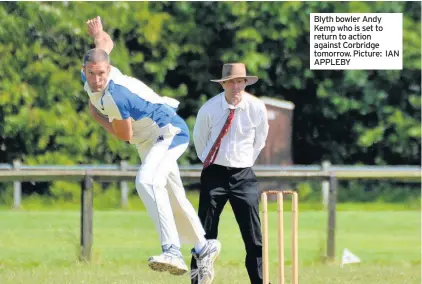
(200, 245)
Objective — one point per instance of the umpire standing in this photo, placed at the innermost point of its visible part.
(229, 133)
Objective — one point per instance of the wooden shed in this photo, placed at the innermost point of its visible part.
(278, 146)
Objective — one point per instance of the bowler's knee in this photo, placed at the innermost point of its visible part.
(148, 177)
(144, 178)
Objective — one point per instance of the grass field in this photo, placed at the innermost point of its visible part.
(42, 247)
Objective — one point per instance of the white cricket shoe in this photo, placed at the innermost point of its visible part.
(167, 261)
(205, 262)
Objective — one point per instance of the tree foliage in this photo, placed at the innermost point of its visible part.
(348, 117)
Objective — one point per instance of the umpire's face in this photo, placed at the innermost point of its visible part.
(234, 88)
(97, 75)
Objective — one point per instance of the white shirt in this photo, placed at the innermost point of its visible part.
(245, 138)
(127, 97)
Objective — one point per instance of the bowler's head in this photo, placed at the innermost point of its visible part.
(97, 69)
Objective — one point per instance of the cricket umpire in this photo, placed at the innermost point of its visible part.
(230, 131)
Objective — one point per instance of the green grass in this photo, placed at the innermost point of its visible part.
(43, 246)
(111, 201)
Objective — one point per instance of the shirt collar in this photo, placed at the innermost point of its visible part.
(226, 105)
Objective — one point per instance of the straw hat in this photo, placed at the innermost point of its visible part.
(236, 70)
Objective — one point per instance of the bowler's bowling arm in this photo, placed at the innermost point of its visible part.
(103, 41)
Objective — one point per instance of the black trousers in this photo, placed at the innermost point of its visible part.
(240, 187)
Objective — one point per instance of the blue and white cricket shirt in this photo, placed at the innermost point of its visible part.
(152, 115)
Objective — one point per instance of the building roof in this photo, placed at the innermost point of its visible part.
(277, 103)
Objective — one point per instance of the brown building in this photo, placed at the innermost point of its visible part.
(278, 147)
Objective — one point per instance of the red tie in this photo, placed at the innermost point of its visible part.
(212, 154)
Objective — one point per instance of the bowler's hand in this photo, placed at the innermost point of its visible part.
(95, 27)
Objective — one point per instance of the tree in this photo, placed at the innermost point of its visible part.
(348, 117)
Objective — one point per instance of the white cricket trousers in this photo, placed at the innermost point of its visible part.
(160, 187)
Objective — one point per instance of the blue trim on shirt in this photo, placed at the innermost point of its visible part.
(132, 105)
(83, 77)
(183, 137)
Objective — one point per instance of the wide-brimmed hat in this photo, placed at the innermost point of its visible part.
(236, 70)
